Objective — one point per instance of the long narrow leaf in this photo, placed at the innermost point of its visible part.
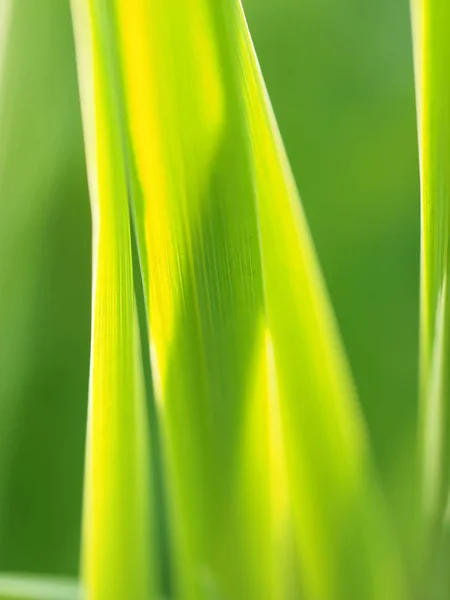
(205, 293)
(116, 554)
(237, 310)
(344, 540)
(432, 63)
(27, 587)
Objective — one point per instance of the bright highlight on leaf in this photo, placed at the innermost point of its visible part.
(5, 12)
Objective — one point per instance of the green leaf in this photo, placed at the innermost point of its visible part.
(44, 288)
(28, 587)
(345, 543)
(116, 554)
(431, 20)
(258, 413)
(206, 315)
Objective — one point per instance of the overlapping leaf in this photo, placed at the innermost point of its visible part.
(116, 555)
(240, 327)
(204, 293)
(344, 540)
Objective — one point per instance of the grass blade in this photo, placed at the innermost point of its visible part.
(204, 291)
(116, 554)
(344, 541)
(232, 280)
(432, 61)
(27, 587)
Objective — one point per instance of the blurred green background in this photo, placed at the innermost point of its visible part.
(340, 77)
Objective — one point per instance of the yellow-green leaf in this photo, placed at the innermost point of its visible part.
(241, 332)
(345, 543)
(205, 296)
(431, 20)
(115, 554)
